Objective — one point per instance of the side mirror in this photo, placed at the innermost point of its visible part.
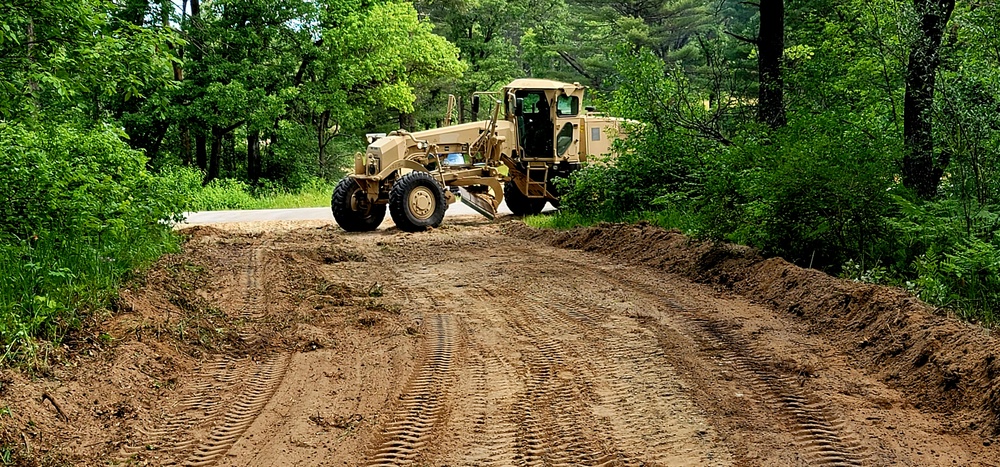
(518, 106)
(475, 104)
(590, 108)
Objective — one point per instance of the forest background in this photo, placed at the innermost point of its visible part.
(859, 136)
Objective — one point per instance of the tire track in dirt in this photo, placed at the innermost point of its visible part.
(244, 411)
(423, 405)
(557, 424)
(227, 394)
(493, 430)
(563, 395)
(257, 296)
(176, 442)
(824, 440)
(202, 401)
(635, 389)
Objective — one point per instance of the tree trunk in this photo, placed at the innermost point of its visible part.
(253, 156)
(200, 139)
(770, 49)
(135, 11)
(322, 139)
(215, 156)
(229, 157)
(195, 12)
(406, 121)
(920, 171)
(185, 145)
(31, 59)
(156, 140)
(201, 155)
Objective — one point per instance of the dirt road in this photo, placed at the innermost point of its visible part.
(475, 344)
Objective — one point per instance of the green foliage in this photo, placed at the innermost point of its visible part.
(82, 214)
(66, 57)
(657, 167)
(824, 191)
(803, 194)
(228, 193)
(948, 258)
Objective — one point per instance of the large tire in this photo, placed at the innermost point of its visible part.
(352, 210)
(519, 204)
(417, 202)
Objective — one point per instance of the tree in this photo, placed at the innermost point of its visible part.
(921, 173)
(369, 60)
(770, 49)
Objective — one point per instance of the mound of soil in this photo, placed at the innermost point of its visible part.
(943, 365)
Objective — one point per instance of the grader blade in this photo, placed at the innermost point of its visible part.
(479, 202)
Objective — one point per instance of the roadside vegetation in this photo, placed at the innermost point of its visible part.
(233, 193)
(858, 170)
(859, 137)
(117, 117)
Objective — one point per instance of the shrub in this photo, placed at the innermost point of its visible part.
(82, 213)
(804, 194)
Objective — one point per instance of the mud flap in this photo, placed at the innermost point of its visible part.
(479, 202)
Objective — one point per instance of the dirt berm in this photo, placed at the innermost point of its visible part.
(944, 365)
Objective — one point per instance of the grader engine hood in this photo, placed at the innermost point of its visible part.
(423, 147)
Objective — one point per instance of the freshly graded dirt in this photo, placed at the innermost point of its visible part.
(294, 343)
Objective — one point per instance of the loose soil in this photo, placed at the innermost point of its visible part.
(294, 343)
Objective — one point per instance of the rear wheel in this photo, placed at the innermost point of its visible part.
(518, 203)
(352, 210)
(417, 202)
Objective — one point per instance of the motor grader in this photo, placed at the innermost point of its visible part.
(536, 131)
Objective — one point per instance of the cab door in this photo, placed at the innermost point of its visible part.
(566, 136)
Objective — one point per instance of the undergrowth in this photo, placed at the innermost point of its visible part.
(81, 215)
(233, 194)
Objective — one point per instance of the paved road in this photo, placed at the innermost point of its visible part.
(304, 214)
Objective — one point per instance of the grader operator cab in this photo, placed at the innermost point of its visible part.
(536, 132)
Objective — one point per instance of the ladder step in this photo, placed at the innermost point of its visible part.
(537, 180)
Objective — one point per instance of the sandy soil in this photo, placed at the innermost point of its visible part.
(294, 343)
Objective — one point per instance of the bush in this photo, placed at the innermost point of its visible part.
(804, 194)
(948, 257)
(82, 214)
(223, 193)
(653, 171)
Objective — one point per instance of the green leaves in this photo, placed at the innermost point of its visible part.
(66, 59)
(81, 212)
(372, 58)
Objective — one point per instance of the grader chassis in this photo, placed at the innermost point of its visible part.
(536, 131)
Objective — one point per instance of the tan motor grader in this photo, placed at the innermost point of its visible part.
(536, 131)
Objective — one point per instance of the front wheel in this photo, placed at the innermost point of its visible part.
(518, 203)
(352, 209)
(417, 202)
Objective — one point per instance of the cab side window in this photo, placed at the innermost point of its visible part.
(567, 106)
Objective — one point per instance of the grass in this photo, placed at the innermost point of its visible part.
(50, 286)
(236, 195)
(559, 220)
(312, 197)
